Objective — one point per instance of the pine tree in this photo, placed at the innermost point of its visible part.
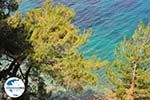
(55, 42)
(130, 71)
(46, 41)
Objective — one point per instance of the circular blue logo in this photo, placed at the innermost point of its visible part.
(14, 87)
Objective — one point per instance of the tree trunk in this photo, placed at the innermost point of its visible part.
(4, 73)
(26, 94)
(11, 71)
(130, 92)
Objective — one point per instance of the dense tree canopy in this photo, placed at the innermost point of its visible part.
(130, 72)
(8, 35)
(45, 40)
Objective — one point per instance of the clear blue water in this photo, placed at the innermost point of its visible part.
(109, 19)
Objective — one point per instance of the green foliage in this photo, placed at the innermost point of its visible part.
(12, 39)
(46, 40)
(54, 41)
(130, 70)
(74, 71)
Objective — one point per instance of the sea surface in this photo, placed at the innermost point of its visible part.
(109, 19)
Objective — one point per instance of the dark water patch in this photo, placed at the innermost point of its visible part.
(124, 3)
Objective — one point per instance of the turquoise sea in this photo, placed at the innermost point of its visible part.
(109, 19)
